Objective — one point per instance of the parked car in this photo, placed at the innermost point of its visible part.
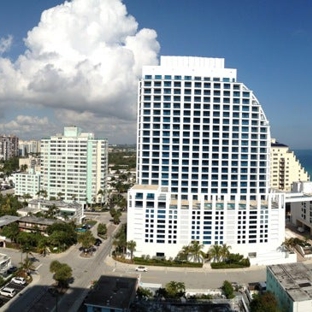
(98, 242)
(19, 280)
(12, 269)
(141, 269)
(7, 292)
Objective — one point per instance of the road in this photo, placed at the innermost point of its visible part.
(193, 278)
(86, 270)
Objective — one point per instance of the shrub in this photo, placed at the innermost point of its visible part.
(168, 263)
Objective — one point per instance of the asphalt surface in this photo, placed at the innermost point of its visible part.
(38, 296)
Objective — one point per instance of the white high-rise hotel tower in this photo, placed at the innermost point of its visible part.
(203, 153)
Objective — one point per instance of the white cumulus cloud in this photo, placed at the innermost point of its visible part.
(83, 59)
(28, 125)
(5, 44)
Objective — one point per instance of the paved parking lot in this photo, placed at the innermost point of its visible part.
(18, 289)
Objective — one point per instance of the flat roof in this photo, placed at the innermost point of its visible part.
(57, 203)
(295, 278)
(145, 187)
(113, 291)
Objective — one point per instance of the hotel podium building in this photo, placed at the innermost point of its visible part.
(203, 164)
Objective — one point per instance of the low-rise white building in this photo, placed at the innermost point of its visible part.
(292, 286)
(301, 206)
(67, 211)
(27, 183)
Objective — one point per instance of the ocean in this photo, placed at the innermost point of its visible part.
(305, 158)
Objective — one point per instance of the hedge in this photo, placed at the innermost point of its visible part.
(157, 262)
(223, 265)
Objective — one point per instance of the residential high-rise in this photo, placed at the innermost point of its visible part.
(8, 146)
(203, 163)
(285, 167)
(28, 147)
(74, 166)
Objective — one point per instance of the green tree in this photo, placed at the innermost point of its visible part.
(10, 165)
(292, 242)
(43, 246)
(102, 194)
(42, 193)
(28, 264)
(65, 232)
(265, 302)
(60, 195)
(131, 245)
(144, 293)
(23, 168)
(225, 251)
(195, 251)
(228, 290)
(54, 266)
(116, 214)
(120, 241)
(161, 293)
(62, 273)
(175, 289)
(26, 241)
(215, 252)
(86, 239)
(101, 229)
(11, 231)
(183, 253)
(9, 204)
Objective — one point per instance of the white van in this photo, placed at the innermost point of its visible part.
(7, 292)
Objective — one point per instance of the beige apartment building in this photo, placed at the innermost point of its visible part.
(285, 167)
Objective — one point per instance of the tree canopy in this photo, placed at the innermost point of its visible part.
(228, 290)
(86, 239)
(265, 302)
(62, 272)
(131, 245)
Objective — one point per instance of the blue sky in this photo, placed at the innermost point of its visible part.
(269, 42)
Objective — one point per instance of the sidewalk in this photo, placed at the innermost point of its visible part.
(206, 267)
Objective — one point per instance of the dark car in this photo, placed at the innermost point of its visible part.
(98, 242)
(12, 269)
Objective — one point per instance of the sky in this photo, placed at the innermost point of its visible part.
(78, 62)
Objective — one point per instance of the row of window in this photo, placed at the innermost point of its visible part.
(205, 99)
(167, 106)
(167, 91)
(187, 78)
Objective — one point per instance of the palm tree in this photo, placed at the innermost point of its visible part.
(225, 251)
(27, 264)
(43, 246)
(215, 252)
(292, 242)
(195, 251)
(175, 289)
(60, 195)
(101, 193)
(93, 201)
(183, 253)
(42, 193)
(131, 246)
